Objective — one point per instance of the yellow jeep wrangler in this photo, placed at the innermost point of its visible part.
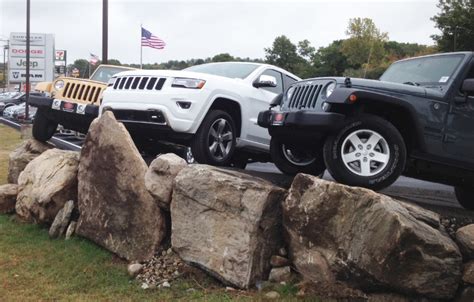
(72, 102)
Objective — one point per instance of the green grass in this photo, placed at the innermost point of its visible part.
(9, 140)
(36, 268)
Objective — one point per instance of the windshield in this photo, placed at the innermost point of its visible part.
(104, 73)
(228, 70)
(428, 70)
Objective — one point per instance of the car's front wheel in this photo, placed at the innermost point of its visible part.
(214, 142)
(368, 152)
(292, 159)
(43, 128)
(465, 197)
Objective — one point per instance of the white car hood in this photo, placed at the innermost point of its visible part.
(176, 74)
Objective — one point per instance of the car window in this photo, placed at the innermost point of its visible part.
(278, 76)
(287, 81)
(470, 75)
(104, 73)
(426, 70)
(229, 70)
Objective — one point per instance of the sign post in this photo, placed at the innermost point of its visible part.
(27, 60)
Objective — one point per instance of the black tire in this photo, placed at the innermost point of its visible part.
(202, 142)
(384, 174)
(465, 197)
(283, 162)
(43, 128)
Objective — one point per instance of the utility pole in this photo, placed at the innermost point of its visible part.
(4, 66)
(105, 37)
(5, 47)
(27, 59)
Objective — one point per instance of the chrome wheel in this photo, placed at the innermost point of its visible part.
(297, 157)
(365, 153)
(220, 139)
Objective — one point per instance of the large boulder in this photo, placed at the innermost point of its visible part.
(21, 156)
(8, 195)
(465, 239)
(160, 177)
(45, 185)
(367, 240)
(226, 222)
(116, 210)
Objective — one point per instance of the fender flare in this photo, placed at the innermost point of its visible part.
(341, 96)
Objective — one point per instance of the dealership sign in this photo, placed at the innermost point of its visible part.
(20, 51)
(42, 56)
(35, 63)
(20, 39)
(19, 75)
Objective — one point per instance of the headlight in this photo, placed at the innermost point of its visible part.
(289, 93)
(111, 81)
(330, 89)
(59, 85)
(188, 83)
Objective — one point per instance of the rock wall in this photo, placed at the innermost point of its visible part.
(116, 210)
(45, 185)
(226, 222)
(368, 240)
(23, 155)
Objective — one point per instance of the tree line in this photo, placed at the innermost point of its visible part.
(366, 52)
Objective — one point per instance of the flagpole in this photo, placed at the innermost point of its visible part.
(141, 47)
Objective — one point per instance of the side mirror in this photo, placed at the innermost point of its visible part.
(265, 81)
(276, 101)
(468, 86)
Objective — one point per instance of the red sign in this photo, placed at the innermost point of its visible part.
(32, 51)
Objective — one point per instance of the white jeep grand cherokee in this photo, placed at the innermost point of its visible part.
(212, 108)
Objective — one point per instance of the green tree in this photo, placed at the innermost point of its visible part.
(365, 46)
(456, 23)
(284, 54)
(83, 66)
(330, 61)
(223, 57)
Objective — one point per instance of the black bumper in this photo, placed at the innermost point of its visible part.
(47, 102)
(322, 120)
(300, 126)
(70, 115)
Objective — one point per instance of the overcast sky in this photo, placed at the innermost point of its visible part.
(199, 29)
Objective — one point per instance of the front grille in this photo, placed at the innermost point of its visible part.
(139, 83)
(144, 116)
(82, 92)
(305, 96)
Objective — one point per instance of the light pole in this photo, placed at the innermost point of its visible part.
(5, 48)
(105, 34)
(5, 66)
(27, 60)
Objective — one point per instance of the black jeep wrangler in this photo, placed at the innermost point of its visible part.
(417, 120)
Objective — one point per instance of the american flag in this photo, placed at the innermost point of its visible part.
(93, 59)
(148, 39)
